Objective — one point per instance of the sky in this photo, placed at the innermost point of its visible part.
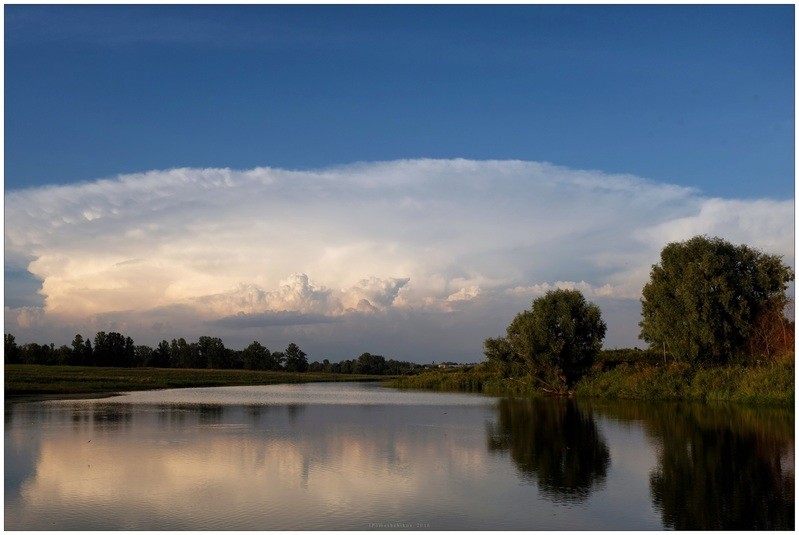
(401, 180)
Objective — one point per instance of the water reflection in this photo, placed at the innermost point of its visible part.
(553, 443)
(714, 477)
(719, 467)
(208, 466)
(199, 460)
(107, 417)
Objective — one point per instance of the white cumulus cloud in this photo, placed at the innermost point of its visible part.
(423, 256)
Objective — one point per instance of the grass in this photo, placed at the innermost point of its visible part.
(766, 384)
(645, 379)
(476, 379)
(25, 380)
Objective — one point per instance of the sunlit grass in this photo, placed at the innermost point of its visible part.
(765, 384)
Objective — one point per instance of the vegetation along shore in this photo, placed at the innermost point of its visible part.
(769, 383)
(114, 363)
(713, 314)
(32, 380)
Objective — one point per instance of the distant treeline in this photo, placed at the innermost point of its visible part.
(115, 349)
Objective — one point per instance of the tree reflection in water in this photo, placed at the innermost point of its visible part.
(716, 470)
(721, 467)
(553, 443)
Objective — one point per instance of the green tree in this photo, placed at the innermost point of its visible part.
(555, 341)
(143, 355)
(63, 355)
(258, 357)
(369, 364)
(704, 297)
(81, 351)
(213, 352)
(398, 367)
(346, 366)
(12, 351)
(113, 349)
(503, 358)
(296, 360)
(279, 360)
(160, 356)
(184, 355)
(33, 353)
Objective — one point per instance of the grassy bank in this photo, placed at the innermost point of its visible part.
(768, 384)
(476, 379)
(55, 381)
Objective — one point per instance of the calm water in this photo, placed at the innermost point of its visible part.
(358, 456)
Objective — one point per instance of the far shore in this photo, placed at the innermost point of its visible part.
(30, 382)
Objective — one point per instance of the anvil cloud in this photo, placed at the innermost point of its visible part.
(413, 259)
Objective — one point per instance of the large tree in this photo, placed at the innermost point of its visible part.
(705, 295)
(258, 357)
(113, 349)
(555, 341)
(296, 360)
(213, 352)
(160, 356)
(370, 364)
(12, 351)
(81, 351)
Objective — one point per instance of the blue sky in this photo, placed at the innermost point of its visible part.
(401, 180)
(693, 95)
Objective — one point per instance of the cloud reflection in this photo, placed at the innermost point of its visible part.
(516, 464)
(259, 467)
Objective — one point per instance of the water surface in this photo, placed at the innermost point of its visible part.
(362, 457)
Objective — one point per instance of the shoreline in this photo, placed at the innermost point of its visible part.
(34, 382)
(763, 385)
(767, 385)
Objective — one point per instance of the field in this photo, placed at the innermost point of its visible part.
(22, 381)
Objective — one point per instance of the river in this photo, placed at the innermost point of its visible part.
(357, 456)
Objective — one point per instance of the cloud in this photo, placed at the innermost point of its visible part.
(465, 294)
(586, 289)
(448, 250)
(298, 293)
(25, 318)
(284, 318)
(764, 221)
(295, 293)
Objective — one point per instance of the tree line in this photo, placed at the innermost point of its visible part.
(116, 350)
(708, 303)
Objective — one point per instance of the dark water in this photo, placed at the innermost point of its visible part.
(360, 457)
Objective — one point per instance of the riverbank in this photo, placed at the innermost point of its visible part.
(23, 381)
(766, 384)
